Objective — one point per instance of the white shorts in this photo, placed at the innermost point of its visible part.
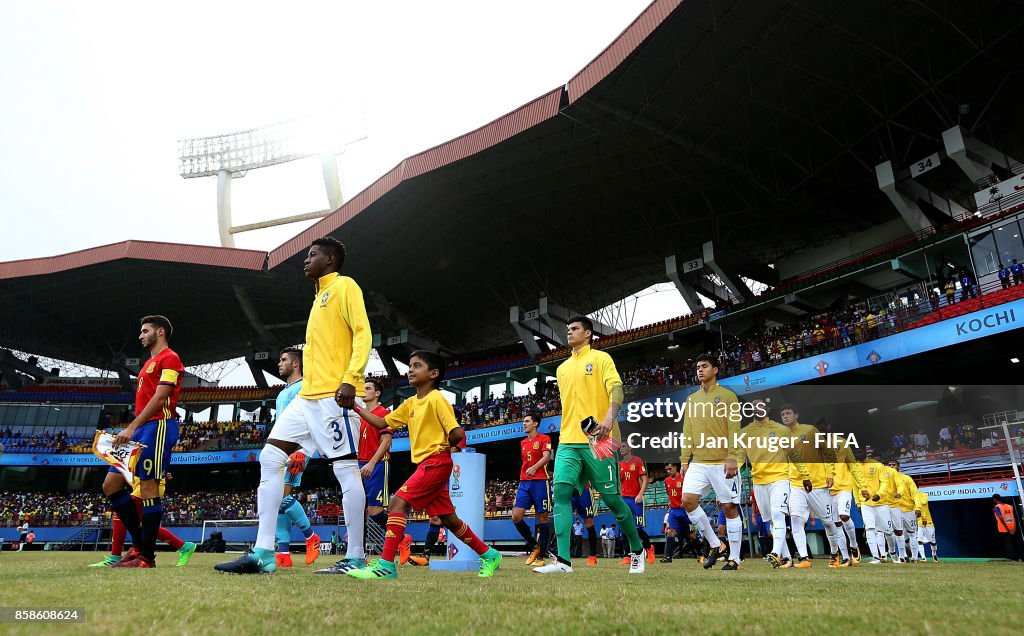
(818, 502)
(877, 517)
(700, 478)
(842, 504)
(897, 518)
(926, 534)
(909, 521)
(319, 424)
(773, 497)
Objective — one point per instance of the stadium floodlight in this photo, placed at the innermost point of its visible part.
(326, 133)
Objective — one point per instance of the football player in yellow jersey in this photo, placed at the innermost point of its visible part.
(709, 460)
(875, 511)
(926, 532)
(886, 495)
(906, 502)
(811, 496)
(848, 479)
(770, 462)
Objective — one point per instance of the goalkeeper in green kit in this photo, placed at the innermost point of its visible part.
(591, 393)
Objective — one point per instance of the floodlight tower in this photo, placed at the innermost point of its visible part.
(234, 154)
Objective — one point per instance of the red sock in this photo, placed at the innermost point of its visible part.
(393, 536)
(466, 535)
(117, 535)
(169, 538)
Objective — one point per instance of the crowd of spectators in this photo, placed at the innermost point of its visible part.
(918, 445)
(44, 442)
(499, 494)
(49, 508)
(494, 410)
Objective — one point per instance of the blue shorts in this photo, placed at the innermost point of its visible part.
(721, 516)
(376, 485)
(679, 521)
(583, 504)
(534, 493)
(159, 437)
(295, 480)
(637, 508)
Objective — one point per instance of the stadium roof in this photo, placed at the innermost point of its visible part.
(753, 124)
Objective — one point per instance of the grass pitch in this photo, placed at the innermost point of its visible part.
(932, 598)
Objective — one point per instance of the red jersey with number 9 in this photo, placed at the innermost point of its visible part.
(163, 368)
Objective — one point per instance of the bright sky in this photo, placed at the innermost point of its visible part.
(96, 96)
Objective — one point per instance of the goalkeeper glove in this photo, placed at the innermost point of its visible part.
(296, 462)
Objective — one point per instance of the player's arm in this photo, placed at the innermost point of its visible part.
(828, 455)
(155, 404)
(375, 421)
(735, 452)
(613, 385)
(382, 449)
(797, 461)
(455, 436)
(353, 311)
(686, 444)
(545, 458)
(885, 481)
(644, 481)
(858, 475)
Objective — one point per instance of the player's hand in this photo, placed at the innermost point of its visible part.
(296, 462)
(864, 493)
(829, 482)
(639, 499)
(875, 498)
(808, 486)
(367, 470)
(682, 469)
(345, 396)
(124, 436)
(918, 513)
(897, 496)
(604, 428)
(730, 468)
(531, 470)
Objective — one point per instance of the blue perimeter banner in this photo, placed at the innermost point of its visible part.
(974, 490)
(973, 326)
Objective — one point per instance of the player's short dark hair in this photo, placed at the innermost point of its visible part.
(160, 322)
(672, 463)
(378, 386)
(997, 498)
(294, 353)
(434, 361)
(587, 323)
(332, 245)
(789, 406)
(710, 359)
(533, 415)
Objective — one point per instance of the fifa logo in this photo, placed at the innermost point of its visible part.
(456, 470)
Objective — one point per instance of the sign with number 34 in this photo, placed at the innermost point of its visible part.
(123, 458)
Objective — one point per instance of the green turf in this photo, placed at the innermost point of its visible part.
(933, 598)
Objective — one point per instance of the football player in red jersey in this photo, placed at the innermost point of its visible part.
(156, 427)
(534, 489)
(633, 479)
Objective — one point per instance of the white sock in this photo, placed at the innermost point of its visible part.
(912, 537)
(832, 534)
(700, 519)
(734, 530)
(871, 536)
(785, 549)
(901, 546)
(851, 533)
(778, 532)
(273, 461)
(888, 545)
(353, 502)
(799, 535)
(840, 541)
